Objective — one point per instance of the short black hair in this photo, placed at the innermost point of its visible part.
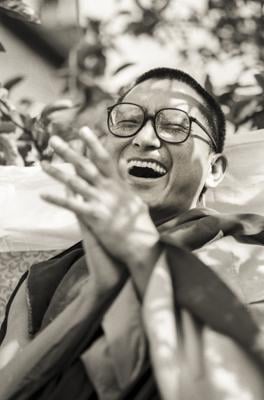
(216, 121)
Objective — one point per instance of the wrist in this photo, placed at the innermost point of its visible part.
(142, 254)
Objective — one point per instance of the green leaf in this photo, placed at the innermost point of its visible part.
(18, 9)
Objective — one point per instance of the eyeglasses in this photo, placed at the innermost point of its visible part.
(170, 124)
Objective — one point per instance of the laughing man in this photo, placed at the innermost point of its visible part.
(157, 301)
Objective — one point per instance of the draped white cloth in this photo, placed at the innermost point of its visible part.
(27, 223)
(242, 189)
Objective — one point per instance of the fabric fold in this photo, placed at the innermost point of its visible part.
(191, 286)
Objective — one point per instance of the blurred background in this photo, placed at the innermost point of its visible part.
(63, 62)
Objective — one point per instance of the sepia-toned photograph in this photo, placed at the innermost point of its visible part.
(131, 200)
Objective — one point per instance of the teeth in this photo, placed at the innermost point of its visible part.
(147, 164)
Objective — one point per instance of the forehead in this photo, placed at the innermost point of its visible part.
(155, 94)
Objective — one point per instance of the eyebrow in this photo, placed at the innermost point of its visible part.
(204, 110)
(190, 100)
(193, 100)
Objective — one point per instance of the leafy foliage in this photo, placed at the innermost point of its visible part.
(230, 30)
(151, 16)
(238, 27)
(233, 30)
(28, 136)
(25, 139)
(8, 134)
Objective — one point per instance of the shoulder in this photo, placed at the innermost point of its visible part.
(239, 261)
(33, 293)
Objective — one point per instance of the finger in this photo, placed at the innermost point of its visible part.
(73, 204)
(72, 182)
(78, 146)
(83, 166)
(97, 152)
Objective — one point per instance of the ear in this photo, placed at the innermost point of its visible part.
(218, 164)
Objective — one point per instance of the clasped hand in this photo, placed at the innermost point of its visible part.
(101, 198)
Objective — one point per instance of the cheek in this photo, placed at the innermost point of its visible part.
(191, 163)
(114, 145)
(191, 170)
(188, 177)
(114, 148)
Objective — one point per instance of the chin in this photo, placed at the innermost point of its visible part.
(151, 197)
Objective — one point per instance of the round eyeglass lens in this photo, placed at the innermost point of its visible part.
(125, 119)
(172, 125)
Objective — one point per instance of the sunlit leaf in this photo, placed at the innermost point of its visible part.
(18, 9)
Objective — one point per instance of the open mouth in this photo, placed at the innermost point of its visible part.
(146, 169)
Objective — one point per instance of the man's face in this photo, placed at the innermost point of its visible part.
(179, 170)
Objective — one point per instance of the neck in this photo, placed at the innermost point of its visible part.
(159, 217)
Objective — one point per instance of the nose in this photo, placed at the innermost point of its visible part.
(146, 138)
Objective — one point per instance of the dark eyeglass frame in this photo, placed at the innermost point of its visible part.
(153, 118)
